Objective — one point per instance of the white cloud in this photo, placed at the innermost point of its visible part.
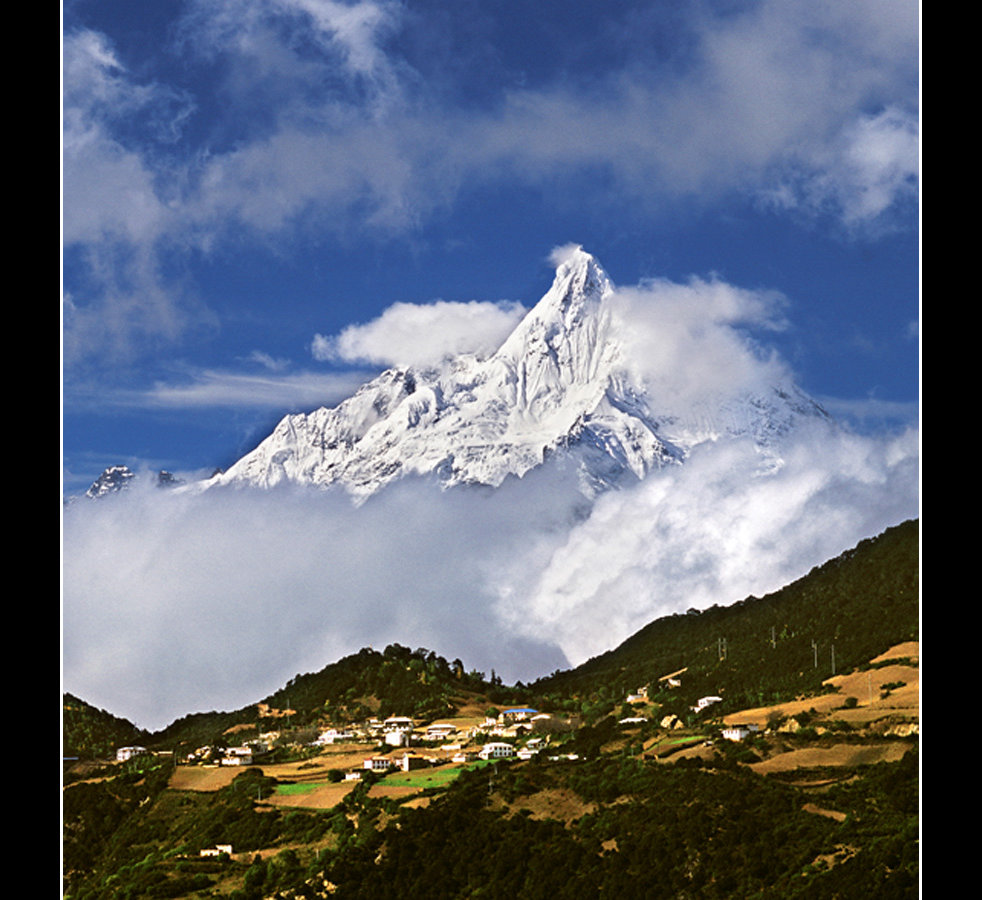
(111, 184)
(811, 109)
(176, 603)
(692, 344)
(772, 98)
(113, 209)
(409, 334)
(713, 531)
(268, 361)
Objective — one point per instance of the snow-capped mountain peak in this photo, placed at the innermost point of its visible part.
(556, 385)
(111, 481)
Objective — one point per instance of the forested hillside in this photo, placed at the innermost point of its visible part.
(92, 733)
(393, 681)
(612, 805)
(772, 648)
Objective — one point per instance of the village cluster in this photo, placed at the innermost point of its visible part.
(516, 732)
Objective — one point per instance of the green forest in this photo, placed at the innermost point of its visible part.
(688, 829)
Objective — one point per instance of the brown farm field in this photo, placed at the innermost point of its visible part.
(836, 756)
(900, 703)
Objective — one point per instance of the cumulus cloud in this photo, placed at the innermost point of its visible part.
(409, 334)
(868, 170)
(768, 97)
(692, 344)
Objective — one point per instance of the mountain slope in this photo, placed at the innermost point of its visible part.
(90, 733)
(771, 648)
(557, 385)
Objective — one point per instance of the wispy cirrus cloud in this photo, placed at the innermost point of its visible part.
(210, 388)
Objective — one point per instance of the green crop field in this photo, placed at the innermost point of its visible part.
(290, 790)
(423, 778)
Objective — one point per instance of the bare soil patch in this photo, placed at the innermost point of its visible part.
(317, 769)
(393, 791)
(321, 796)
(202, 778)
(555, 803)
(828, 813)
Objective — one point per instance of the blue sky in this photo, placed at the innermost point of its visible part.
(243, 176)
(267, 201)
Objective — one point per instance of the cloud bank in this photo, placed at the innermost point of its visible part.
(175, 604)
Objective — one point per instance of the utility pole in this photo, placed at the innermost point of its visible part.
(815, 652)
(773, 640)
(833, 659)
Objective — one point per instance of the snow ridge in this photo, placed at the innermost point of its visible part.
(556, 385)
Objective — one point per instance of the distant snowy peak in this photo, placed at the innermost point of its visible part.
(119, 478)
(557, 385)
(111, 481)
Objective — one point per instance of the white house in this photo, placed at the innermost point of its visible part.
(703, 702)
(237, 756)
(125, 753)
(398, 723)
(398, 730)
(740, 732)
(496, 750)
(439, 730)
(217, 850)
(332, 735)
